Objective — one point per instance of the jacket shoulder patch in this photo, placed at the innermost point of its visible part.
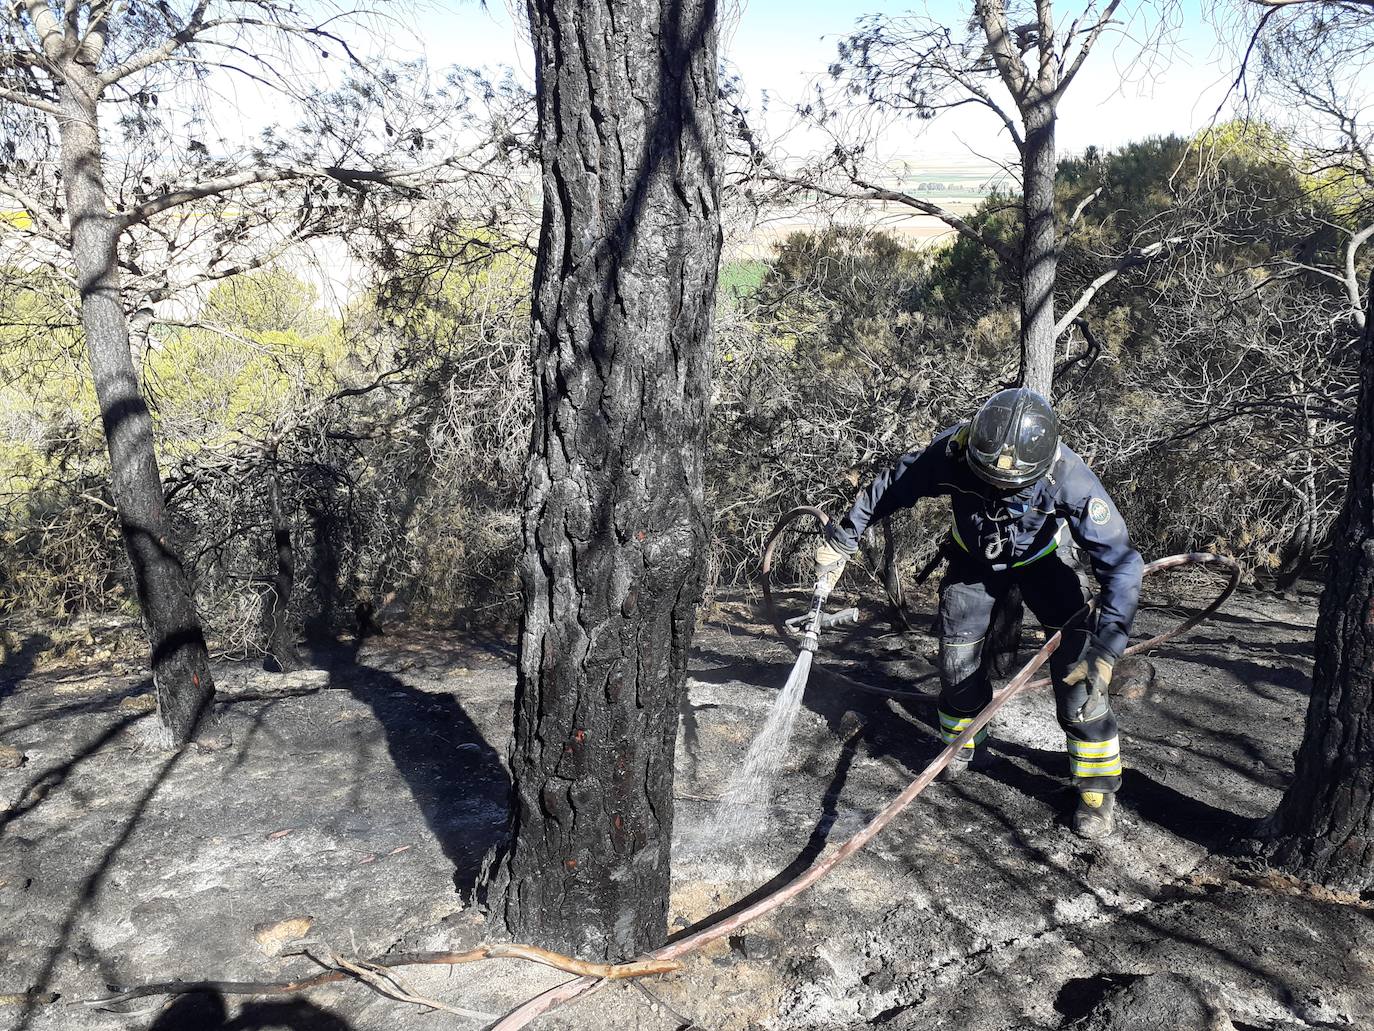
(1099, 511)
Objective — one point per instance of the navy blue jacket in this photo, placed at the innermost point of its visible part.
(1007, 533)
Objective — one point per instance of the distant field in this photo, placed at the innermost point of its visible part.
(957, 185)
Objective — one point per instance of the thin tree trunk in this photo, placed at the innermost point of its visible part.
(1039, 269)
(1323, 829)
(281, 642)
(181, 674)
(615, 527)
(892, 579)
(1039, 249)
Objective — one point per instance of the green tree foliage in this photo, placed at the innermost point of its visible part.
(396, 431)
(59, 546)
(1215, 405)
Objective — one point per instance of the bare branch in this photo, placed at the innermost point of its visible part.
(993, 16)
(47, 26)
(1086, 47)
(868, 191)
(37, 210)
(985, 98)
(29, 101)
(194, 25)
(263, 177)
(91, 47)
(1131, 259)
(1082, 205)
(1044, 17)
(1295, 3)
(1352, 278)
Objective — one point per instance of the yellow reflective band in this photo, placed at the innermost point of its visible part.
(952, 726)
(1112, 769)
(954, 532)
(970, 745)
(1038, 555)
(1094, 749)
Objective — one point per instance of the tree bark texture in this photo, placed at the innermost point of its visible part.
(1323, 829)
(1039, 248)
(615, 527)
(181, 674)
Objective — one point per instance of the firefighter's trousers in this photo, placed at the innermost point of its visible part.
(1053, 592)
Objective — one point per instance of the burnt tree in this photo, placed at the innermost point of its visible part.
(180, 665)
(1323, 829)
(162, 217)
(615, 527)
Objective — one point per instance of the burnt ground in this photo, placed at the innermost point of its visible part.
(354, 803)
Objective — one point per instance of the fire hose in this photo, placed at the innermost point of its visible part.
(813, 622)
(785, 628)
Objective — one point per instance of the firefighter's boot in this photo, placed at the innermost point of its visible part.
(976, 758)
(957, 766)
(1096, 815)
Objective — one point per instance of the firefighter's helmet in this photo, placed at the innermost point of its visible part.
(1012, 439)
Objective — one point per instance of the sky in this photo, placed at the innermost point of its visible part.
(779, 46)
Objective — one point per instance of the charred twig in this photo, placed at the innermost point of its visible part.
(389, 984)
(605, 971)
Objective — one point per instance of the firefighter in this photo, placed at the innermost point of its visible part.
(1020, 498)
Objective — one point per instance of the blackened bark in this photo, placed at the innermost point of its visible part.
(615, 527)
(1039, 248)
(181, 674)
(1323, 829)
(281, 642)
(892, 579)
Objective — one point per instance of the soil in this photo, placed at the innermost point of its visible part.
(348, 808)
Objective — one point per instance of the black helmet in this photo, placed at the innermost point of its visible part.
(1013, 439)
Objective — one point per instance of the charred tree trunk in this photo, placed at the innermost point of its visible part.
(615, 528)
(1298, 553)
(892, 579)
(281, 642)
(181, 674)
(1039, 248)
(1323, 829)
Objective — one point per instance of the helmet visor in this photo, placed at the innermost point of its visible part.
(1012, 440)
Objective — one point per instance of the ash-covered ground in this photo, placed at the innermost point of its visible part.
(352, 803)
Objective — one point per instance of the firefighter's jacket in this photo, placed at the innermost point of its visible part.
(1006, 533)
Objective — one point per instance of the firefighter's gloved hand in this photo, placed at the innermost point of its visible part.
(1094, 670)
(830, 562)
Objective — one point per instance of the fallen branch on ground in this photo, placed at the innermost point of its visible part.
(713, 930)
(388, 983)
(601, 971)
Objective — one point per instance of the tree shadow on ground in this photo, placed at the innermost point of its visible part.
(1039, 773)
(456, 778)
(206, 1011)
(94, 882)
(18, 665)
